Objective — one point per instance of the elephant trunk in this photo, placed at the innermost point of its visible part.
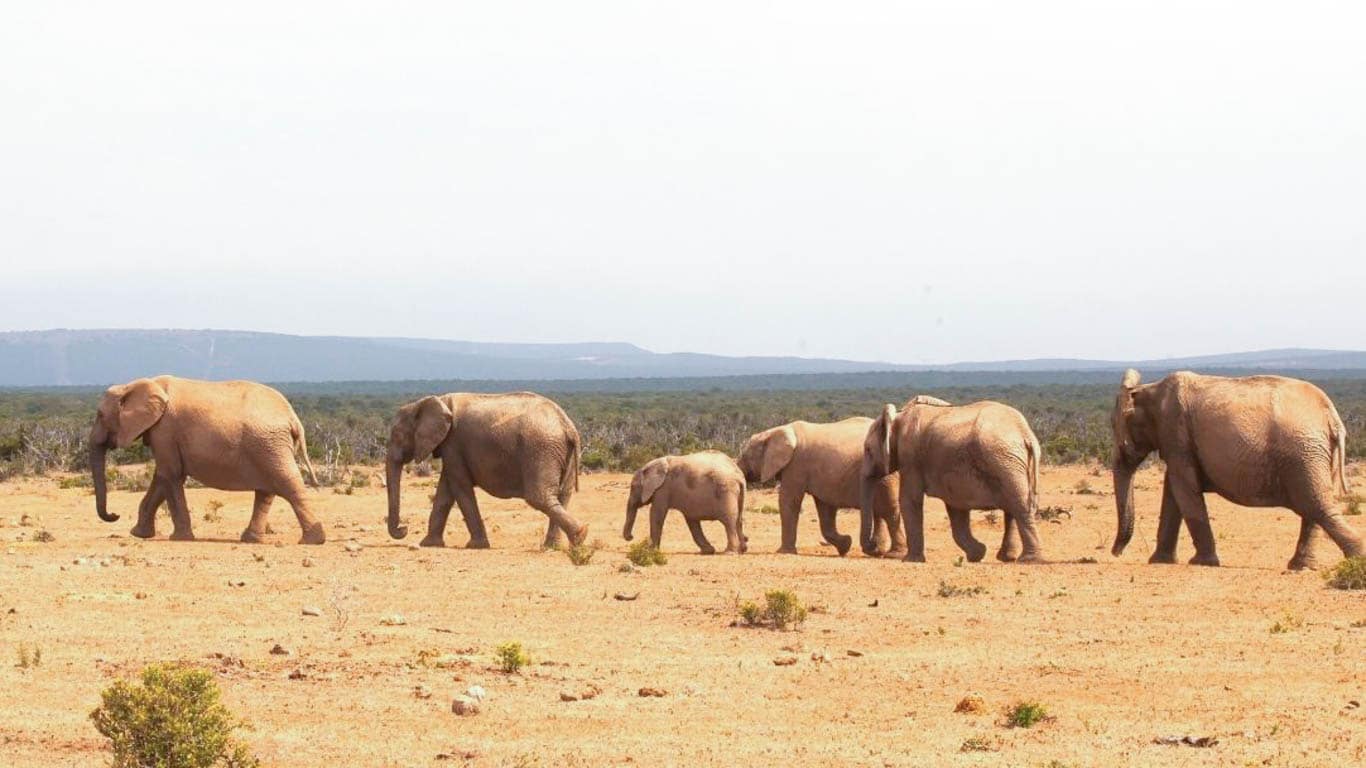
(1124, 506)
(99, 449)
(866, 537)
(632, 505)
(393, 478)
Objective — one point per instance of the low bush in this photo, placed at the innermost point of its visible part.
(644, 554)
(511, 657)
(781, 609)
(1026, 714)
(1348, 574)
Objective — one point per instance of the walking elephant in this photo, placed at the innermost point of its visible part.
(229, 435)
(703, 486)
(824, 460)
(517, 445)
(1259, 441)
(977, 456)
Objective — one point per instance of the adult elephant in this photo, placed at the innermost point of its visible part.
(977, 456)
(1259, 441)
(229, 435)
(824, 460)
(517, 445)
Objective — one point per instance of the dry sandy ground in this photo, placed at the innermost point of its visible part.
(1119, 651)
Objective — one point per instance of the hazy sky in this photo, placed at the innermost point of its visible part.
(913, 182)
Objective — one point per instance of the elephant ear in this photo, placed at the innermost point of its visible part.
(929, 400)
(778, 450)
(652, 477)
(1124, 410)
(431, 424)
(140, 405)
(885, 422)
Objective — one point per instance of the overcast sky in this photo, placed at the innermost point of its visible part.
(901, 181)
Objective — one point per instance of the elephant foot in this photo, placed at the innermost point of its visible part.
(313, 534)
(143, 533)
(976, 554)
(579, 536)
(471, 544)
(711, 550)
(1211, 560)
(1162, 558)
(912, 557)
(842, 544)
(1006, 556)
(1031, 558)
(432, 541)
(252, 537)
(1298, 563)
(182, 536)
(891, 554)
(787, 550)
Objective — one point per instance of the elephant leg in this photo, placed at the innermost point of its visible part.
(553, 536)
(1168, 528)
(1304, 548)
(442, 501)
(182, 530)
(695, 528)
(296, 495)
(789, 512)
(960, 521)
(1031, 548)
(146, 526)
(884, 507)
(1191, 501)
(1321, 509)
(829, 531)
(560, 520)
(257, 527)
(1010, 544)
(913, 516)
(658, 511)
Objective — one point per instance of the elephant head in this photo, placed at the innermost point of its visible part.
(879, 460)
(125, 412)
(1131, 421)
(417, 432)
(767, 453)
(643, 488)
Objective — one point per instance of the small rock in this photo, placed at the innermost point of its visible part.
(626, 597)
(79, 561)
(568, 696)
(591, 692)
(784, 661)
(820, 657)
(393, 620)
(421, 692)
(970, 705)
(140, 595)
(308, 562)
(279, 650)
(310, 610)
(853, 654)
(353, 546)
(655, 692)
(298, 674)
(237, 583)
(465, 706)
(476, 692)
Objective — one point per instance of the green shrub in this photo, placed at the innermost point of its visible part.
(1348, 574)
(172, 718)
(1026, 714)
(581, 554)
(751, 613)
(511, 657)
(949, 590)
(781, 609)
(643, 554)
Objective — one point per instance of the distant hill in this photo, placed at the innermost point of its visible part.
(97, 357)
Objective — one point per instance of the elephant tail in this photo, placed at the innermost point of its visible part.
(1337, 450)
(1032, 452)
(301, 446)
(569, 481)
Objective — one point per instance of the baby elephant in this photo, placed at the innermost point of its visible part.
(703, 486)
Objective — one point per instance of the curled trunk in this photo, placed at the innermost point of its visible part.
(632, 506)
(98, 453)
(1124, 506)
(393, 478)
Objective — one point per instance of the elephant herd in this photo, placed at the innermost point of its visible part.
(1259, 441)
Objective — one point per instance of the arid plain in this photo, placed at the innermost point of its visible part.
(1122, 654)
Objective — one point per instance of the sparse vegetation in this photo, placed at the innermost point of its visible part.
(644, 554)
(30, 656)
(949, 590)
(977, 744)
(781, 609)
(767, 509)
(211, 509)
(582, 554)
(1348, 574)
(1353, 504)
(511, 657)
(44, 536)
(1026, 714)
(1288, 622)
(1050, 514)
(171, 718)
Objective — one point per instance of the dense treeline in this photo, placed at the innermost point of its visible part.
(44, 430)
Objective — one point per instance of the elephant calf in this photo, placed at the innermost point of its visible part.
(703, 486)
(977, 456)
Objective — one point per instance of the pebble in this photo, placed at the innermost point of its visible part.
(279, 650)
(422, 692)
(310, 610)
(655, 692)
(784, 661)
(476, 692)
(393, 620)
(308, 562)
(353, 546)
(414, 547)
(568, 696)
(465, 706)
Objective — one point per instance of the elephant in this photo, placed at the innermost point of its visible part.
(703, 486)
(1258, 441)
(825, 461)
(513, 445)
(229, 435)
(977, 456)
